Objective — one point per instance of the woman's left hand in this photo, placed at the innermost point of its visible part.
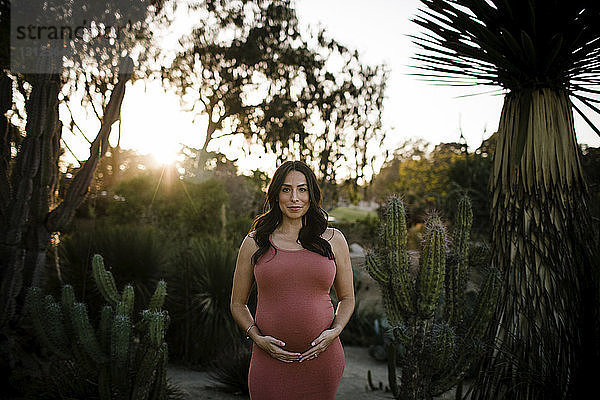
(320, 344)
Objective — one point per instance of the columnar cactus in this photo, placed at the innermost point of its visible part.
(439, 347)
(457, 272)
(432, 268)
(126, 360)
(390, 265)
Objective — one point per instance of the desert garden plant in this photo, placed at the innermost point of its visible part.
(125, 357)
(229, 370)
(200, 277)
(426, 308)
(545, 57)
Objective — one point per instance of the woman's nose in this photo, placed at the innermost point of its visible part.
(294, 195)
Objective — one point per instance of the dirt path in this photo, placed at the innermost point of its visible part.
(352, 387)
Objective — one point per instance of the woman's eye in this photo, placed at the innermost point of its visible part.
(303, 189)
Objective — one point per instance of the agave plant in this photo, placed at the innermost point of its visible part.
(546, 57)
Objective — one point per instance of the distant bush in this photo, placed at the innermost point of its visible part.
(179, 208)
(362, 231)
(361, 330)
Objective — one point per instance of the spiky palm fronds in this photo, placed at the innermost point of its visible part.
(515, 44)
(229, 371)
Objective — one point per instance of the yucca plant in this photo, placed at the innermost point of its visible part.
(201, 277)
(125, 357)
(545, 56)
(229, 371)
(426, 309)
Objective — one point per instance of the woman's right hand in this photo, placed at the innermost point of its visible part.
(273, 347)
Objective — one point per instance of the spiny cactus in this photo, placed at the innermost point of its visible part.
(105, 281)
(457, 271)
(432, 269)
(439, 346)
(126, 360)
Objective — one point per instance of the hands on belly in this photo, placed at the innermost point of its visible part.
(274, 347)
(320, 344)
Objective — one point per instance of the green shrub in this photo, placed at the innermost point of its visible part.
(362, 231)
(179, 207)
(361, 328)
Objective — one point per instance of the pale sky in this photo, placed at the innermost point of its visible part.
(154, 123)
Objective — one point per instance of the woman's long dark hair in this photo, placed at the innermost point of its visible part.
(314, 222)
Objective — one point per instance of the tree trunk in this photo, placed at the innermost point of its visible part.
(541, 242)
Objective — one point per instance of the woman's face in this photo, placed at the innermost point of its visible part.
(294, 200)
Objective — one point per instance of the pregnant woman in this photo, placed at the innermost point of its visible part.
(295, 259)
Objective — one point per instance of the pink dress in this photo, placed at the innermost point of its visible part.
(293, 305)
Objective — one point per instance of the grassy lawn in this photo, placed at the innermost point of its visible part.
(349, 214)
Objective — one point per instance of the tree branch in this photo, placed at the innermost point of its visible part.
(89, 94)
(61, 215)
(75, 123)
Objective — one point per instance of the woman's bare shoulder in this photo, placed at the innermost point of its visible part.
(249, 244)
(335, 237)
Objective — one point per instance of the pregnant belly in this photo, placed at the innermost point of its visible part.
(297, 325)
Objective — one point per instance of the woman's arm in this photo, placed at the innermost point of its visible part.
(243, 278)
(343, 284)
(344, 290)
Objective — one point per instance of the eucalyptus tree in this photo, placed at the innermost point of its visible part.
(249, 70)
(545, 56)
(100, 57)
(239, 66)
(348, 107)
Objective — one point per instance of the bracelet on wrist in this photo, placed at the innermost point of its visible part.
(248, 330)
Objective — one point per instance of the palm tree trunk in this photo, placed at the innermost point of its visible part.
(542, 243)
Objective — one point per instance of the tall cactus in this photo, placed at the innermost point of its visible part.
(125, 360)
(457, 275)
(439, 346)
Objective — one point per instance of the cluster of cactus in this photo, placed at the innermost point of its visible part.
(426, 308)
(125, 359)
